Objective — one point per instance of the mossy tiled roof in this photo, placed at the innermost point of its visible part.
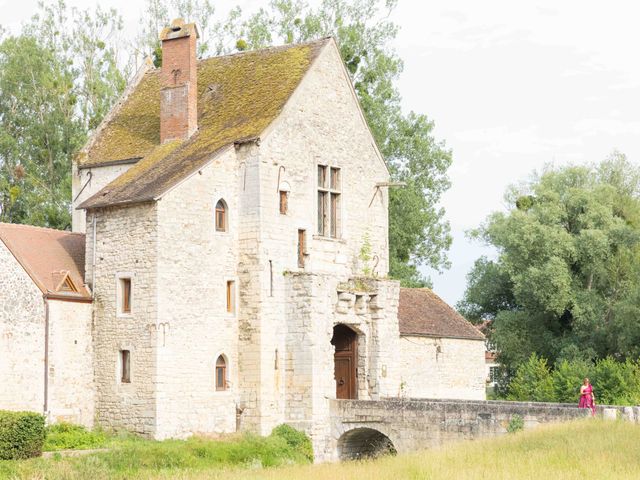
(238, 97)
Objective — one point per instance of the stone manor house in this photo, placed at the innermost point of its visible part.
(215, 279)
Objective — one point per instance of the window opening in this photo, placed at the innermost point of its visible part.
(125, 291)
(329, 190)
(284, 202)
(221, 373)
(302, 238)
(125, 366)
(221, 216)
(231, 287)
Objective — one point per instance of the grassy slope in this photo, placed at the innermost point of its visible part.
(586, 449)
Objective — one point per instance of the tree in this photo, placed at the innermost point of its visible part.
(57, 81)
(566, 280)
(418, 233)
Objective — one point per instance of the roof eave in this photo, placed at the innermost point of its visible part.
(431, 335)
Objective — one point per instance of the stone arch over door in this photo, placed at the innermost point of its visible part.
(345, 342)
(364, 442)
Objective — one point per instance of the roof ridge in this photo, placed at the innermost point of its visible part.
(27, 226)
(265, 49)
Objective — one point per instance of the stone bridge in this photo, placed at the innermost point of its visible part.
(363, 428)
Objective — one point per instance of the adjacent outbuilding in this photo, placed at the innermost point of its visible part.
(442, 354)
(46, 363)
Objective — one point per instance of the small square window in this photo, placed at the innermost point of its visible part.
(125, 366)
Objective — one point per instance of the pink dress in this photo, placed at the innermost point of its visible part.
(586, 399)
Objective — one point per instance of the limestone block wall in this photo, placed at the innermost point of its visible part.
(442, 368)
(71, 382)
(85, 183)
(317, 303)
(413, 424)
(193, 326)
(22, 315)
(320, 125)
(255, 356)
(126, 247)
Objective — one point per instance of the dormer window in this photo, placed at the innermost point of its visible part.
(221, 216)
(67, 285)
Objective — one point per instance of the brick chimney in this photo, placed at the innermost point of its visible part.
(178, 81)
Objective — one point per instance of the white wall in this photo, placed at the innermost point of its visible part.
(71, 385)
(95, 179)
(442, 368)
(194, 264)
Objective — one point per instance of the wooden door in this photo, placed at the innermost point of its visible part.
(345, 342)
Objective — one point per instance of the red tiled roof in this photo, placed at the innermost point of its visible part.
(48, 256)
(422, 312)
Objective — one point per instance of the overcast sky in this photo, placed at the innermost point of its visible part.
(510, 85)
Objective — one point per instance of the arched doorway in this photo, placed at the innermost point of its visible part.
(362, 443)
(345, 342)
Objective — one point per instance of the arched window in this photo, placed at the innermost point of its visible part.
(221, 216)
(221, 373)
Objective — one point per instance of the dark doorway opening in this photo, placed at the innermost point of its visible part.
(345, 342)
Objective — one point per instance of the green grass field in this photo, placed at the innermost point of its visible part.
(591, 449)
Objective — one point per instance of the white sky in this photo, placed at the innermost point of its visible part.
(511, 86)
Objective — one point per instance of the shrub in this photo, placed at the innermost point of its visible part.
(65, 436)
(567, 379)
(296, 439)
(516, 423)
(21, 435)
(532, 381)
(616, 383)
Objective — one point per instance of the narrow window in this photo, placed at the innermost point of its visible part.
(221, 216)
(231, 287)
(125, 295)
(322, 199)
(284, 202)
(329, 190)
(125, 366)
(221, 373)
(302, 238)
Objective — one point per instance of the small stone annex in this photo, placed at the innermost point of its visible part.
(217, 278)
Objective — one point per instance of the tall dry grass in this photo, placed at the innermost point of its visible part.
(588, 449)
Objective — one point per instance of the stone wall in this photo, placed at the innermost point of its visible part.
(320, 125)
(22, 316)
(413, 424)
(442, 368)
(193, 326)
(126, 247)
(71, 387)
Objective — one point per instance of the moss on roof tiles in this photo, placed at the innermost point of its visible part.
(134, 130)
(238, 97)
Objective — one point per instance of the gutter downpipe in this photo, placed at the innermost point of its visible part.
(46, 358)
(93, 256)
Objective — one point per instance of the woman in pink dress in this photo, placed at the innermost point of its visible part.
(587, 398)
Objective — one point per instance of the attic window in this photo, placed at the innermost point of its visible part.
(67, 285)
